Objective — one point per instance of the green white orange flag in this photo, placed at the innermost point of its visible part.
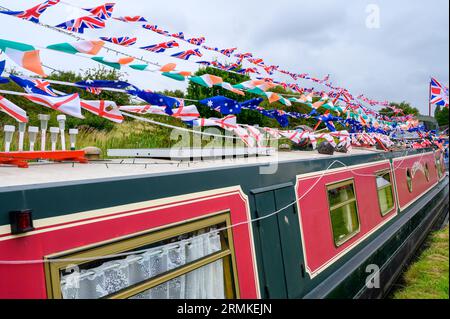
(23, 55)
(179, 76)
(207, 80)
(86, 47)
(229, 87)
(115, 63)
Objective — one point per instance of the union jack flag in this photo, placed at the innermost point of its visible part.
(242, 56)
(162, 47)
(155, 28)
(270, 69)
(439, 93)
(196, 41)
(103, 12)
(210, 48)
(228, 52)
(131, 19)
(87, 22)
(33, 14)
(185, 55)
(123, 41)
(259, 62)
(179, 35)
(248, 71)
(95, 91)
(206, 63)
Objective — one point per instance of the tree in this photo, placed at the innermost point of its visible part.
(250, 117)
(442, 116)
(405, 106)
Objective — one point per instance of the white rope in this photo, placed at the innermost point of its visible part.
(29, 262)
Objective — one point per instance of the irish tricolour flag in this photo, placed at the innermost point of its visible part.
(23, 55)
(86, 47)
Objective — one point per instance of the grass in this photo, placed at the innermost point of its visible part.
(428, 278)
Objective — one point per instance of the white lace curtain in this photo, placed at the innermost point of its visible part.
(111, 277)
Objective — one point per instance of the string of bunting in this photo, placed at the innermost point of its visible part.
(97, 17)
(365, 125)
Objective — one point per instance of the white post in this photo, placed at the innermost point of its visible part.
(73, 138)
(44, 125)
(22, 129)
(54, 131)
(62, 127)
(32, 134)
(9, 133)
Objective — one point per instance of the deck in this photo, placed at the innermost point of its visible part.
(46, 173)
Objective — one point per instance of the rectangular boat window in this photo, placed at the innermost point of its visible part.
(192, 261)
(343, 211)
(385, 192)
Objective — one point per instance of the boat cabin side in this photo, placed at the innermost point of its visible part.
(225, 233)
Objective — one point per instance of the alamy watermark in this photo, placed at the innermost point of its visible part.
(373, 19)
(373, 280)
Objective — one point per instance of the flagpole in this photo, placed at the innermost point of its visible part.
(429, 99)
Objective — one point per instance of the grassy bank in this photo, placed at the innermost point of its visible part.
(428, 277)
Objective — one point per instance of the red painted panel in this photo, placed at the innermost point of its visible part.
(419, 181)
(319, 247)
(28, 281)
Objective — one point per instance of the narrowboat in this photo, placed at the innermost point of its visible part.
(276, 225)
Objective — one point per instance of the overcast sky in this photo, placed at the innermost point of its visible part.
(391, 62)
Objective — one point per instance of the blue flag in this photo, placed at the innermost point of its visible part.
(2, 68)
(157, 99)
(251, 104)
(121, 85)
(281, 117)
(223, 105)
(35, 86)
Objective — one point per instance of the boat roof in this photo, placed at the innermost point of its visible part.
(49, 173)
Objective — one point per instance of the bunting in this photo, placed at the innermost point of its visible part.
(185, 55)
(33, 14)
(24, 55)
(85, 47)
(80, 24)
(104, 109)
(13, 110)
(122, 41)
(161, 47)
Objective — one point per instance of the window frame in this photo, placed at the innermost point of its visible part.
(380, 173)
(426, 170)
(409, 184)
(334, 185)
(439, 166)
(134, 241)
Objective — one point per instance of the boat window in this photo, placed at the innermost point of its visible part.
(427, 172)
(409, 180)
(343, 211)
(192, 261)
(385, 192)
(439, 166)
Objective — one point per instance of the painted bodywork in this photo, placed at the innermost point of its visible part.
(286, 255)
